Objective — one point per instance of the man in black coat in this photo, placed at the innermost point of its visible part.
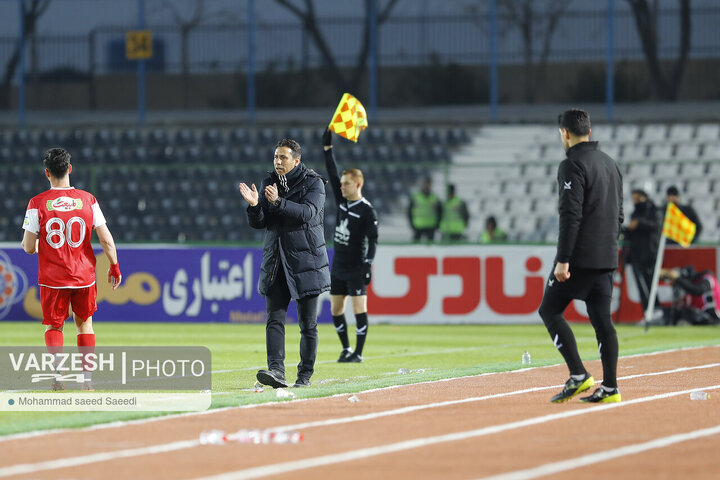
(643, 237)
(295, 262)
(590, 207)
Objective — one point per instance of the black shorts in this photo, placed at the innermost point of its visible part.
(583, 283)
(353, 286)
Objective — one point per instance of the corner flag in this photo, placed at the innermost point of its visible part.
(349, 119)
(677, 226)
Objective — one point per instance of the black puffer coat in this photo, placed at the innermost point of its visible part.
(295, 234)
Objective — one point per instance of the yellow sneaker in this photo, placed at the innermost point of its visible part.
(573, 388)
(600, 395)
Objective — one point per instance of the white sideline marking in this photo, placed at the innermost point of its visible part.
(585, 460)
(415, 443)
(23, 468)
(286, 467)
(414, 408)
(123, 423)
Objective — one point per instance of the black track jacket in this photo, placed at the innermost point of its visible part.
(590, 207)
(356, 228)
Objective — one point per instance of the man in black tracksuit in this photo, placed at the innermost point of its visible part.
(642, 236)
(590, 207)
(356, 235)
(295, 262)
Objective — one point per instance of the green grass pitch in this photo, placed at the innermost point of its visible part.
(438, 351)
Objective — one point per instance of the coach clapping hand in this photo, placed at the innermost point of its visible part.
(250, 195)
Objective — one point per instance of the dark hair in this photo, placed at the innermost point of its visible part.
(57, 162)
(575, 121)
(672, 190)
(451, 189)
(640, 192)
(491, 219)
(292, 145)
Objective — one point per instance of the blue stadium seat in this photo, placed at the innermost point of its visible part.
(157, 138)
(266, 136)
(49, 138)
(130, 138)
(186, 137)
(375, 136)
(457, 136)
(430, 136)
(103, 138)
(402, 136)
(297, 135)
(212, 137)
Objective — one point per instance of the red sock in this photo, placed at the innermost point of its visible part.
(54, 341)
(86, 344)
(86, 340)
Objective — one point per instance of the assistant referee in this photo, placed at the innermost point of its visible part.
(590, 207)
(355, 240)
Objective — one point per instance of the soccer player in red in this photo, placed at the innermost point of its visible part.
(58, 227)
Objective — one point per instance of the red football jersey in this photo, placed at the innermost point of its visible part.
(63, 219)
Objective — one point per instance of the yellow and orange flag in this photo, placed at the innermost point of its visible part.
(349, 119)
(677, 226)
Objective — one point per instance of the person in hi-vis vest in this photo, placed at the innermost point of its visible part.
(455, 217)
(424, 212)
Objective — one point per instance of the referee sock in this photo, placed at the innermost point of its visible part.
(341, 329)
(361, 328)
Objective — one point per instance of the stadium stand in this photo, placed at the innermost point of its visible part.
(179, 184)
(523, 159)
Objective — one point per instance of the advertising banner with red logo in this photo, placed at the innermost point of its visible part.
(491, 284)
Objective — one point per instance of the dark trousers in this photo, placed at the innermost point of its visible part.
(276, 302)
(643, 273)
(595, 288)
(419, 233)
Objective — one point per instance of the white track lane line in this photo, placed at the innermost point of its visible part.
(117, 424)
(123, 423)
(68, 462)
(585, 460)
(414, 408)
(287, 467)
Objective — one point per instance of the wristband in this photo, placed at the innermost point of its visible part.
(115, 270)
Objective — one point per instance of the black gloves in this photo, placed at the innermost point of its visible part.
(327, 138)
(366, 273)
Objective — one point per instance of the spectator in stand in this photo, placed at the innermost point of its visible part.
(455, 216)
(673, 195)
(492, 233)
(424, 212)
